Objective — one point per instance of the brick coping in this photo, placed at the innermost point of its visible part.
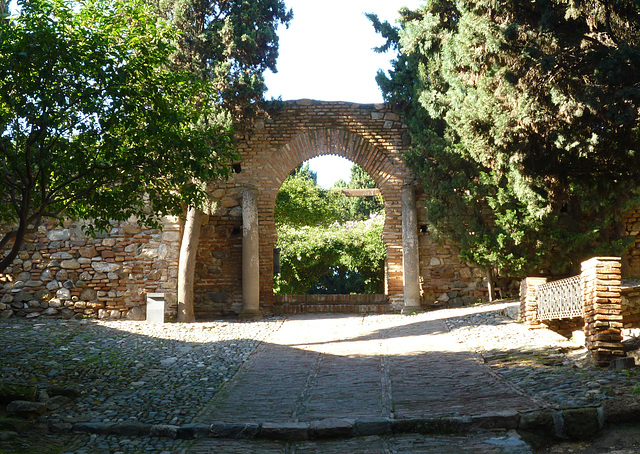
(335, 304)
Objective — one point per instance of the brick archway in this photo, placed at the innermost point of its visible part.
(370, 135)
(389, 178)
(105, 277)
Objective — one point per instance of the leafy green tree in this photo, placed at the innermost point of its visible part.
(305, 170)
(325, 247)
(338, 281)
(343, 258)
(93, 124)
(524, 120)
(361, 208)
(229, 43)
(301, 202)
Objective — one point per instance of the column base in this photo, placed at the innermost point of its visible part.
(250, 315)
(411, 310)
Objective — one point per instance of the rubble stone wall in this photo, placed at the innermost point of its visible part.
(630, 296)
(61, 272)
(631, 259)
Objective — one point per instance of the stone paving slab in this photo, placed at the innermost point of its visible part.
(354, 367)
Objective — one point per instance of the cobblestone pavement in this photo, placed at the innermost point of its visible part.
(449, 362)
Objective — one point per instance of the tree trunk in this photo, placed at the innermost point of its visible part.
(20, 233)
(187, 265)
(18, 239)
(490, 284)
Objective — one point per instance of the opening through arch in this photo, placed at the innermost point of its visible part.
(362, 151)
(329, 239)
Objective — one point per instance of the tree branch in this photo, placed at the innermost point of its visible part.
(7, 237)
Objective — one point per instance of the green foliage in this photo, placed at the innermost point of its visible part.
(318, 259)
(327, 244)
(93, 124)
(360, 208)
(231, 42)
(301, 202)
(524, 120)
(304, 170)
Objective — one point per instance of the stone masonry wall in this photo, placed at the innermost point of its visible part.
(444, 278)
(60, 272)
(630, 293)
(630, 296)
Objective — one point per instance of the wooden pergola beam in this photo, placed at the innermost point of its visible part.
(361, 192)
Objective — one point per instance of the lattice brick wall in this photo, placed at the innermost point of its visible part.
(560, 299)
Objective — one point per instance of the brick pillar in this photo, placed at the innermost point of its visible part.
(528, 299)
(602, 306)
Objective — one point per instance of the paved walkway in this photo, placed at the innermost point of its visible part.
(362, 367)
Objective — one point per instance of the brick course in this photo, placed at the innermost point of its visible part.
(603, 317)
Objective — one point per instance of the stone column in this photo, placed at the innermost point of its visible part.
(410, 255)
(602, 305)
(250, 255)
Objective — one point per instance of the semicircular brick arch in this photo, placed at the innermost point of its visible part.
(289, 133)
(339, 142)
(389, 178)
(371, 136)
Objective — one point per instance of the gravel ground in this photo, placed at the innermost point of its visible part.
(129, 370)
(126, 371)
(538, 361)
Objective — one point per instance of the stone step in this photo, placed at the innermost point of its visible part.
(332, 308)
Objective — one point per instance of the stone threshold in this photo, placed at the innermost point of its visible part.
(568, 423)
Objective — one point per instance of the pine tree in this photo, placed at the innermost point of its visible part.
(524, 120)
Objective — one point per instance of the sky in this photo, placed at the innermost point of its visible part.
(327, 54)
